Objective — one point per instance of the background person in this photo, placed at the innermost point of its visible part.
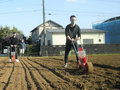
(13, 46)
(22, 47)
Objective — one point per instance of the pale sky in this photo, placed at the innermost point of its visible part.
(27, 14)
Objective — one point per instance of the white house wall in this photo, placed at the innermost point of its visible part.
(48, 26)
(58, 39)
(37, 33)
(95, 37)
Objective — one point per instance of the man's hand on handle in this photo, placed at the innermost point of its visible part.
(72, 39)
(78, 38)
(13, 45)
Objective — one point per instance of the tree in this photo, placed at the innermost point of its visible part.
(14, 29)
(6, 33)
(29, 40)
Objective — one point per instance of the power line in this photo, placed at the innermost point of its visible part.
(74, 11)
(66, 12)
(58, 11)
(25, 11)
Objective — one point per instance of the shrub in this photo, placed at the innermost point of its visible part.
(32, 50)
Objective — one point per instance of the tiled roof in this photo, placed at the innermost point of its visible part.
(82, 31)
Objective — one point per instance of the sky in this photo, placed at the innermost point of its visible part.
(28, 14)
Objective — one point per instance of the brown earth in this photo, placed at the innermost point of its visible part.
(48, 73)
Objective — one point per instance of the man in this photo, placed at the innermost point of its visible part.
(22, 47)
(13, 46)
(72, 32)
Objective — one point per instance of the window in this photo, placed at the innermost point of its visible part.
(99, 40)
(87, 41)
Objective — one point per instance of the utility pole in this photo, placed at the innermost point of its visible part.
(44, 26)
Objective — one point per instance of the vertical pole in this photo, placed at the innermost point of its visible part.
(44, 26)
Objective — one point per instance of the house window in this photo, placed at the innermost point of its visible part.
(99, 40)
(49, 42)
(87, 41)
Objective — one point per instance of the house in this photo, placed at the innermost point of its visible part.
(88, 36)
(38, 31)
(55, 35)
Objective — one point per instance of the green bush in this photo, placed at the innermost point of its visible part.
(32, 50)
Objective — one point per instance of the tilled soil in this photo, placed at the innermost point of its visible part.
(48, 73)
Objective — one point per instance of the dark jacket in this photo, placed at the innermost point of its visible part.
(72, 31)
(13, 41)
(22, 45)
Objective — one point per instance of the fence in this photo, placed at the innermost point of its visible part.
(90, 49)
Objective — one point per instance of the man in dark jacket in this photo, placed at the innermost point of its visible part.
(13, 46)
(72, 32)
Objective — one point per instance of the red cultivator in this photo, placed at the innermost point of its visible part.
(13, 53)
(13, 56)
(83, 63)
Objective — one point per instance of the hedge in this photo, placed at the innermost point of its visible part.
(32, 50)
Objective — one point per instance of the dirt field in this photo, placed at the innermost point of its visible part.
(48, 73)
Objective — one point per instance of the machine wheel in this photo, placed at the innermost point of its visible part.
(89, 67)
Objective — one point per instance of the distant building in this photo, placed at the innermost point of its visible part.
(112, 28)
(88, 36)
(36, 32)
(55, 35)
